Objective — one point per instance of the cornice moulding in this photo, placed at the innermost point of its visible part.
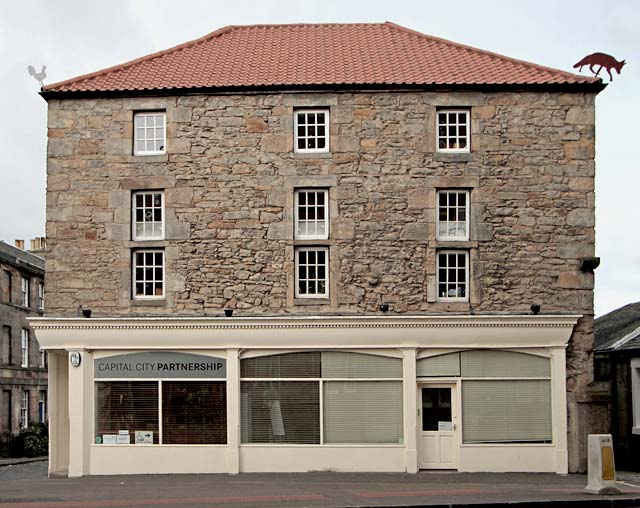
(308, 332)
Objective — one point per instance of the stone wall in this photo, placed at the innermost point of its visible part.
(229, 176)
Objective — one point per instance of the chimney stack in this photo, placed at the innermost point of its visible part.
(19, 244)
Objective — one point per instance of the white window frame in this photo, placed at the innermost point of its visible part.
(24, 350)
(467, 213)
(326, 125)
(134, 209)
(40, 296)
(467, 138)
(42, 406)
(635, 394)
(24, 409)
(145, 114)
(43, 358)
(297, 267)
(24, 291)
(299, 236)
(452, 298)
(133, 275)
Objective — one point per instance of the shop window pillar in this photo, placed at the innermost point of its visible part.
(233, 411)
(559, 409)
(409, 384)
(58, 395)
(80, 411)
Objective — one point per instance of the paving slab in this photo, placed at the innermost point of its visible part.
(26, 486)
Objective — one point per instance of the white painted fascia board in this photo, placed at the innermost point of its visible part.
(312, 332)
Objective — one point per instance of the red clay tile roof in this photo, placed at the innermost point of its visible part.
(316, 55)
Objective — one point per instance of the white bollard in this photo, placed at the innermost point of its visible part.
(601, 468)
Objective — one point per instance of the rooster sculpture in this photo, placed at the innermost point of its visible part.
(40, 76)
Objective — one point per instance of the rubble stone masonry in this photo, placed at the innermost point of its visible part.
(229, 177)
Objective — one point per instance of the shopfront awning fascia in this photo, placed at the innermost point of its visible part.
(310, 332)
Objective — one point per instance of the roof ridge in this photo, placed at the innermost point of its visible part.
(144, 58)
(487, 52)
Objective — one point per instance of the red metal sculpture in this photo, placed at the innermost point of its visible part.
(601, 59)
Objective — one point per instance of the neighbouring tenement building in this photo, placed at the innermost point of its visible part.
(378, 208)
(23, 365)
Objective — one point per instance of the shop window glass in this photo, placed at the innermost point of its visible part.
(126, 406)
(280, 412)
(194, 412)
(492, 363)
(291, 411)
(336, 364)
(437, 366)
(514, 411)
(362, 412)
(285, 365)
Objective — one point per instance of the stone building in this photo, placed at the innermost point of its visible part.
(23, 365)
(400, 226)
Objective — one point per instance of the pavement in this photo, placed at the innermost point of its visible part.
(27, 486)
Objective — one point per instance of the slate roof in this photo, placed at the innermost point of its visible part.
(616, 325)
(21, 258)
(316, 55)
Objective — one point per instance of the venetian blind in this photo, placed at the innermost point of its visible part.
(337, 364)
(441, 365)
(284, 365)
(362, 411)
(492, 363)
(194, 412)
(127, 405)
(506, 411)
(280, 412)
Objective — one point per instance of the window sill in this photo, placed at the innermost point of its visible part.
(454, 157)
(456, 244)
(312, 243)
(149, 303)
(311, 301)
(312, 155)
(635, 430)
(164, 157)
(506, 445)
(147, 244)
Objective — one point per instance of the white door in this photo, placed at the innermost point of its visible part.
(437, 427)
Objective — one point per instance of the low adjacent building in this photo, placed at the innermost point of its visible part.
(23, 365)
(617, 366)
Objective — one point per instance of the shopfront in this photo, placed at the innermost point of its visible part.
(220, 395)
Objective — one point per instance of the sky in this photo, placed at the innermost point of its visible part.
(73, 38)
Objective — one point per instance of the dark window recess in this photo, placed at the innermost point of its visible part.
(5, 346)
(6, 412)
(194, 412)
(7, 286)
(436, 407)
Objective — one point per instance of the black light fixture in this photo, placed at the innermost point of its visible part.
(86, 313)
(589, 264)
(384, 307)
(228, 312)
(535, 309)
